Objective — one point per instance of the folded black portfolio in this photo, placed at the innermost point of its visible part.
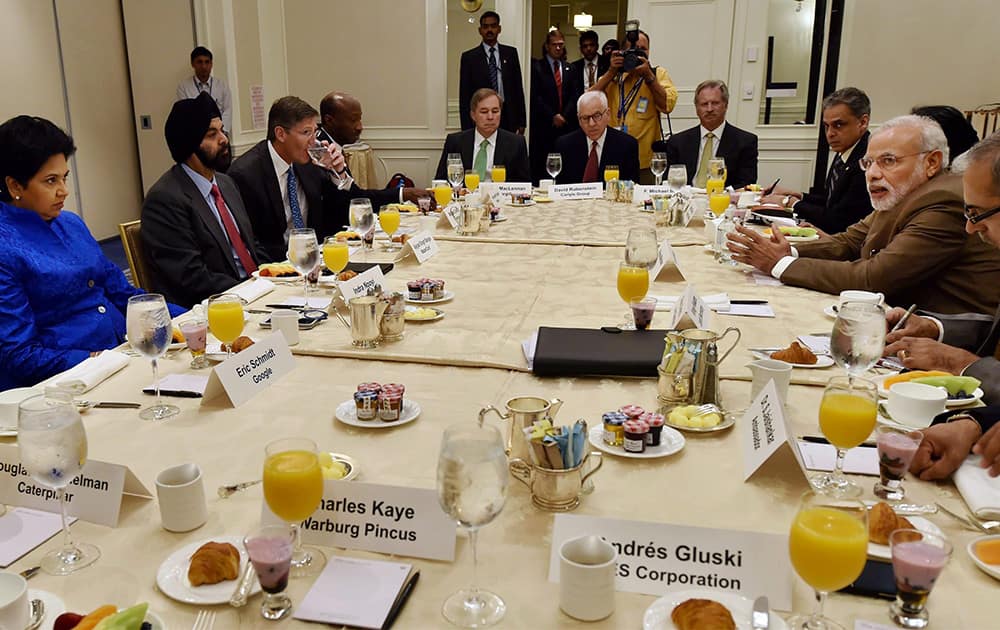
(583, 351)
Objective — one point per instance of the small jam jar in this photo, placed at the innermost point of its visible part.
(635, 436)
(632, 411)
(438, 289)
(655, 422)
(614, 433)
(427, 291)
(390, 405)
(413, 290)
(367, 404)
(369, 387)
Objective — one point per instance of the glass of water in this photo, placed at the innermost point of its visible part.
(456, 175)
(553, 164)
(318, 150)
(303, 253)
(364, 221)
(147, 322)
(641, 248)
(858, 336)
(677, 177)
(658, 165)
(472, 483)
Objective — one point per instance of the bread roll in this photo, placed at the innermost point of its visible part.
(702, 614)
(214, 562)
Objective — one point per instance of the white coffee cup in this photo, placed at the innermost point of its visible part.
(180, 491)
(587, 568)
(545, 184)
(766, 370)
(10, 400)
(15, 611)
(287, 322)
(915, 404)
(861, 296)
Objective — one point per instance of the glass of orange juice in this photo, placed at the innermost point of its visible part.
(471, 179)
(610, 172)
(225, 318)
(388, 218)
(718, 202)
(828, 546)
(293, 489)
(442, 195)
(633, 283)
(499, 173)
(336, 254)
(847, 415)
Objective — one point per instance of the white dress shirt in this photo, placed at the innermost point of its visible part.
(491, 148)
(281, 168)
(717, 132)
(191, 87)
(486, 49)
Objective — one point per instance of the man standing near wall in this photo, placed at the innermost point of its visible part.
(495, 66)
(203, 81)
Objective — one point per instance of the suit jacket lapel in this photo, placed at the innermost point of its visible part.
(205, 213)
(467, 148)
(269, 179)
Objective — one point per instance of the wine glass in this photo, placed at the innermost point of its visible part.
(303, 253)
(828, 545)
(847, 416)
(472, 483)
(293, 489)
(456, 175)
(225, 319)
(858, 336)
(388, 219)
(147, 321)
(633, 283)
(365, 217)
(677, 177)
(553, 164)
(641, 248)
(319, 150)
(53, 449)
(658, 166)
(336, 255)
(917, 561)
(270, 550)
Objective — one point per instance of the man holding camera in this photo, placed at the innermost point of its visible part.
(637, 93)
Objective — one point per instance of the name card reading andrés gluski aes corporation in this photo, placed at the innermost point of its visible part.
(593, 190)
(362, 283)
(245, 374)
(95, 495)
(765, 436)
(421, 245)
(380, 518)
(656, 557)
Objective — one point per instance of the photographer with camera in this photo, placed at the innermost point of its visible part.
(637, 93)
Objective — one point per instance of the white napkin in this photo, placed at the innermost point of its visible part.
(718, 302)
(254, 290)
(980, 491)
(87, 375)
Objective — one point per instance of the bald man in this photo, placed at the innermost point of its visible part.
(340, 122)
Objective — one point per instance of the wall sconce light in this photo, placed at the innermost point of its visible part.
(583, 21)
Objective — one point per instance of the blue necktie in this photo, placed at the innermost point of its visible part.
(493, 70)
(293, 200)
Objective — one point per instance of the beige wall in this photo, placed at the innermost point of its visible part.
(246, 27)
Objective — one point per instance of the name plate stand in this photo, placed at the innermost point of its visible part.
(374, 517)
(501, 191)
(362, 283)
(245, 374)
(451, 215)
(593, 190)
(422, 246)
(95, 495)
(690, 311)
(666, 268)
(769, 449)
(640, 193)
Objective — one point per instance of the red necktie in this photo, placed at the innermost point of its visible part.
(234, 234)
(590, 172)
(558, 75)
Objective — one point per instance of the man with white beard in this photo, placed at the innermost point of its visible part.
(913, 248)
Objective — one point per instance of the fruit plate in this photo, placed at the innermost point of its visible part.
(992, 570)
(293, 279)
(657, 616)
(881, 552)
(353, 470)
(671, 442)
(728, 420)
(347, 412)
(950, 402)
(822, 360)
(793, 239)
(172, 580)
(448, 295)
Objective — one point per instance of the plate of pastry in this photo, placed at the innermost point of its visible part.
(882, 521)
(215, 352)
(278, 272)
(694, 608)
(209, 579)
(797, 355)
(671, 441)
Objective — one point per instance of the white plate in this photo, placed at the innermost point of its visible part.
(794, 239)
(529, 202)
(295, 278)
(830, 312)
(501, 218)
(448, 295)
(54, 606)
(353, 470)
(214, 351)
(172, 578)
(882, 551)
(657, 616)
(951, 402)
(992, 570)
(728, 420)
(440, 314)
(822, 360)
(347, 412)
(671, 441)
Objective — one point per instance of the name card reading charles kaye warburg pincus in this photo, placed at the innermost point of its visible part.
(765, 434)
(451, 215)
(593, 190)
(500, 192)
(362, 283)
(656, 557)
(240, 377)
(95, 495)
(374, 517)
(421, 245)
(666, 268)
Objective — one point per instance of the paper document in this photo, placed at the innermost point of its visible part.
(859, 461)
(751, 310)
(353, 592)
(23, 529)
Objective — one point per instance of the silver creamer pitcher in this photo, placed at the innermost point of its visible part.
(689, 371)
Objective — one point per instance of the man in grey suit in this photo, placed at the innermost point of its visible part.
(196, 235)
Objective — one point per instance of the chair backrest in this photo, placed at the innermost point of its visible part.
(132, 243)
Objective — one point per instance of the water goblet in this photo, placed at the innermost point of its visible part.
(917, 560)
(456, 175)
(147, 321)
(270, 551)
(293, 489)
(641, 248)
(858, 336)
(847, 416)
(677, 177)
(553, 164)
(658, 166)
(303, 253)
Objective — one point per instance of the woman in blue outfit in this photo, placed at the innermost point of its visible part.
(61, 299)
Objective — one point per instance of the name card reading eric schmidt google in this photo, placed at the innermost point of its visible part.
(245, 374)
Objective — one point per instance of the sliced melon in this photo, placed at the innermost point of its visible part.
(954, 384)
(128, 619)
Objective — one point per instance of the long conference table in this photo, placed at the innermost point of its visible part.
(554, 265)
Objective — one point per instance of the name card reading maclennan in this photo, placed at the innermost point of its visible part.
(247, 373)
(655, 557)
(422, 246)
(765, 434)
(380, 518)
(95, 495)
(362, 283)
(593, 190)
(500, 192)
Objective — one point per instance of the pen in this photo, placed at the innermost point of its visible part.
(906, 316)
(816, 439)
(397, 606)
(770, 189)
(748, 301)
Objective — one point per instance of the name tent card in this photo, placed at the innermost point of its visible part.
(451, 215)
(245, 374)
(374, 517)
(690, 311)
(422, 246)
(362, 283)
(656, 557)
(666, 268)
(593, 190)
(640, 193)
(95, 495)
(500, 192)
(767, 439)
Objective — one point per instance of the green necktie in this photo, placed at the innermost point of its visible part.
(479, 164)
(702, 176)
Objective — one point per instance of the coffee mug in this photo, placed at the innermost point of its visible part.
(180, 491)
(765, 370)
(915, 404)
(10, 400)
(15, 611)
(861, 296)
(587, 568)
(286, 322)
(552, 489)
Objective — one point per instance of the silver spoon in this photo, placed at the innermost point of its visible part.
(227, 491)
(37, 614)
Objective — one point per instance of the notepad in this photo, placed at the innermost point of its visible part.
(354, 592)
(23, 529)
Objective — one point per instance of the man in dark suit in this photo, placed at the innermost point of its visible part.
(281, 186)
(501, 147)
(553, 101)
(843, 201)
(196, 235)
(587, 70)
(586, 151)
(493, 66)
(714, 137)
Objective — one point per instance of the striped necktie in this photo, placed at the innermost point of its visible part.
(494, 69)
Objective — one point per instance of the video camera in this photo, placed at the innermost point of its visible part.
(633, 56)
